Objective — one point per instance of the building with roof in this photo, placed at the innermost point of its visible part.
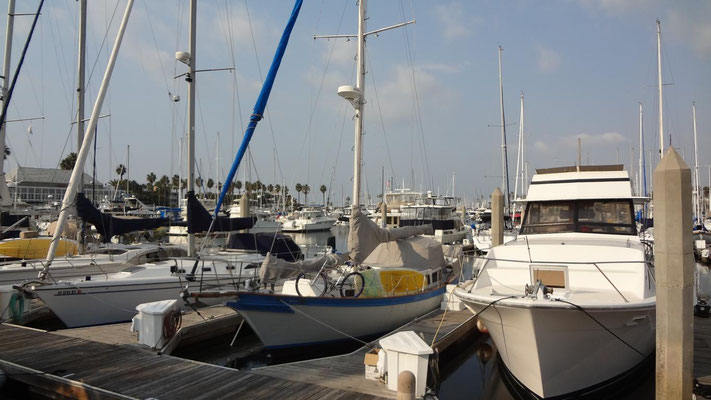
(43, 185)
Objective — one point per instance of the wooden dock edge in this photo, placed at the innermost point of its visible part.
(54, 384)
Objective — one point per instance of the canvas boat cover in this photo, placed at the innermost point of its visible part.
(365, 235)
(280, 246)
(369, 244)
(199, 219)
(274, 269)
(108, 225)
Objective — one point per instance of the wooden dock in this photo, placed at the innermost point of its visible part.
(347, 371)
(209, 322)
(702, 350)
(68, 363)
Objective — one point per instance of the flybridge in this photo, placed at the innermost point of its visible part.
(587, 182)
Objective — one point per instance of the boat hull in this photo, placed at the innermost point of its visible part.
(99, 304)
(554, 351)
(289, 321)
(27, 249)
(294, 226)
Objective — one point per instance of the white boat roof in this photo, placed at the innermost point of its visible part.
(580, 183)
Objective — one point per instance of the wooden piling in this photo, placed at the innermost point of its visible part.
(497, 218)
(244, 206)
(674, 265)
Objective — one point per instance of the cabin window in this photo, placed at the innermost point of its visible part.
(587, 216)
(434, 277)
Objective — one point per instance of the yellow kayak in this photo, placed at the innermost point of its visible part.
(35, 248)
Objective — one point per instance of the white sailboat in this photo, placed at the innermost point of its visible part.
(571, 302)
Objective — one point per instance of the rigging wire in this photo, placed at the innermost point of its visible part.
(380, 113)
(235, 86)
(418, 114)
(261, 78)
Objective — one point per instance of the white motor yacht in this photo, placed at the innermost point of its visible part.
(570, 304)
(307, 220)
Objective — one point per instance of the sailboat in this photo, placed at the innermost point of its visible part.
(110, 298)
(387, 278)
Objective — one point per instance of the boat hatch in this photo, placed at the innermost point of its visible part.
(553, 276)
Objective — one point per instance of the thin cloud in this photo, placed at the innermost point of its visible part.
(602, 139)
(547, 60)
(455, 22)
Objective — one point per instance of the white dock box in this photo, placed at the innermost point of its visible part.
(149, 322)
(406, 352)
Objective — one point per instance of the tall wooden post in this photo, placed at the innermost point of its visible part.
(674, 265)
(497, 218)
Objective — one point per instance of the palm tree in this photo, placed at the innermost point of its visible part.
(120, 171)
(299, 188)
(210, 183)
(323, 193)
(306, 189)
(238, 185)
(175, 181)
(67, 163)
(151, 178)
(270, 188)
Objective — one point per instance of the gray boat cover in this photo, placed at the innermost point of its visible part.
(274, 269)
(365, 235)
(392, 248)
(417, 253)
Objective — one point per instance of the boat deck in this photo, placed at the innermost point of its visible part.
(108, 367)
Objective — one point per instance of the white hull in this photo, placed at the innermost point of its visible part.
(113, 298)
(81, 266)
(300, 226)
(559, 350)
(450, 236)
(288, 321)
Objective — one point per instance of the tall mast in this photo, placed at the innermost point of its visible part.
(697, 201)
(659, 82)
(642, 166)
(519, 152)
(81, 67)
(504, 157)
(360, 85)
(5, 199)
(70, 194)
(191, 114)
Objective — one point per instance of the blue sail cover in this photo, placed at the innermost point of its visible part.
(261, 104)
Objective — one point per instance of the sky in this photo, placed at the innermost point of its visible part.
(432, 118)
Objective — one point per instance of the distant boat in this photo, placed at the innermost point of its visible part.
(307, 220)
(571, 302)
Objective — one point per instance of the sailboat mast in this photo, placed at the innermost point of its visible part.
(5, 86)
(641, 174)
(191, 114)
(70, 194)
(504, 156)
(360, 84)
(81, 67)
(659, 82)
(697, 205)
(519, 150)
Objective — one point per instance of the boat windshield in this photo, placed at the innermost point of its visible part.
(588, 216)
